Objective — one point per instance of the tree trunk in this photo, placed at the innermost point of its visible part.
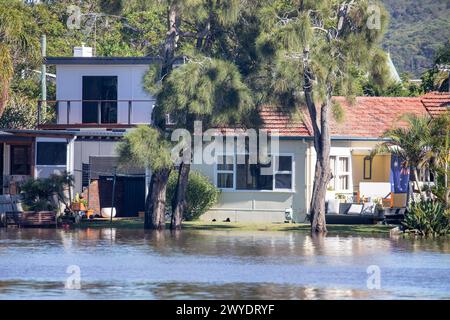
(179, 199)
(322, 145)
(170, 43)
(4, 94)
(155, 212)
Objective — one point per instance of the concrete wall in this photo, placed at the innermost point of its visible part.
(129, 77)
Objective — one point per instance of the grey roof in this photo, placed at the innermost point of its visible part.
(67, 132)
(101, 60)
(106, 166)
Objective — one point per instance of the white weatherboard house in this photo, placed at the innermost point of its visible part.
(98, 99)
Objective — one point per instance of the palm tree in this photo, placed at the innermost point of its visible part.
(412, 144)
(18, 43)
(440, 145)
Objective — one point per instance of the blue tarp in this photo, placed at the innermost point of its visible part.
(399, 177)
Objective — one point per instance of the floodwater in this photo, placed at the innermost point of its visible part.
(133, 264)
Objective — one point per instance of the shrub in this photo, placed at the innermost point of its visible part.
(39, 194)
(428, 218)
(201, 194)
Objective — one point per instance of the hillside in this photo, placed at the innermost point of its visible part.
(416, 30)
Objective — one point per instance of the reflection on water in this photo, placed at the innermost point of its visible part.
(120, 264)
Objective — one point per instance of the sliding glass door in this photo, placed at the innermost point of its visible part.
(103, 90)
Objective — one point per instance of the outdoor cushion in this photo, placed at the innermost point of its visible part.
(333, 206)
(355, 209)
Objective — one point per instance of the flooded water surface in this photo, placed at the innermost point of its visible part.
(133, 264)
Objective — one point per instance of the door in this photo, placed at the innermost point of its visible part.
(101, 89)
(129, 196)
(134, 196)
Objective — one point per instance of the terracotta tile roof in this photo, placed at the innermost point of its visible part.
(436, 103)
(372, 116)
(278, 119)
(367, 117)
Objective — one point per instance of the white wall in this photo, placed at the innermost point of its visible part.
(263, 206)
(129, 77)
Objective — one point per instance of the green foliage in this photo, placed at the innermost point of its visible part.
(144, 147)
(38, 194)
(427, 218)
(204, 89)
(417, 30)
(410, 143)
(337, 52)
(201, 194)
(20, 113)
(435, 79)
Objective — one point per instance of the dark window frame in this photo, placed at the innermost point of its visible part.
(258, 182)
(109, 108)
(365, 160)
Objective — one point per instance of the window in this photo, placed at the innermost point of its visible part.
(283, 172)
(340, 170)
(51, 154)
(253, 177)
(225, 172)
(249, 176)
(103, 90)
(20, 160)
(367, 174)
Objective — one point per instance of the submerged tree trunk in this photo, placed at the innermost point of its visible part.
(322, 144)
(179, 199)
(155, 208)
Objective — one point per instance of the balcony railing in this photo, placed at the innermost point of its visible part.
(69, 113)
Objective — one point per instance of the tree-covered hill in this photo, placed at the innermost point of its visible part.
(417, 29)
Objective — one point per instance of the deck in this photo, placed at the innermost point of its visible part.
(29, 219)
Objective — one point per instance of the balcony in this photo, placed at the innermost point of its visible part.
(108, 114)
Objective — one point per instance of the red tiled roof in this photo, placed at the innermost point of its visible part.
(278, 119)
(366, 117)
(372, 116)
(436, 103)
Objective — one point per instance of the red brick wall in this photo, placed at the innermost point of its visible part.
(94, 198)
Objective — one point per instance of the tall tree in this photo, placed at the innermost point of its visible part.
(199, 21)
(145, 147)
(207, 90)
(310, 47)
(17, 44)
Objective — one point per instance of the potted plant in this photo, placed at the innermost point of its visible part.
(79, 203)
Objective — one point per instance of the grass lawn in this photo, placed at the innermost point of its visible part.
(136, 223)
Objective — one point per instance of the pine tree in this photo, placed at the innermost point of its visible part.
(310, 48)
(204, 20)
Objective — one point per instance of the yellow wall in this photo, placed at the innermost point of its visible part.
(381, 165)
